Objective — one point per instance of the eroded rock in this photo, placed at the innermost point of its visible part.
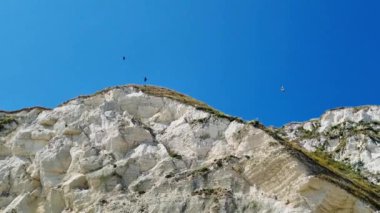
(148, 149)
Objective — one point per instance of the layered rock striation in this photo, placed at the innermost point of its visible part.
(149, 149)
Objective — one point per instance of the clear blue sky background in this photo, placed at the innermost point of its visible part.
(233, 55)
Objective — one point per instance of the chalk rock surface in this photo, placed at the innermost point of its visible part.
(349, 135)
(149, 149)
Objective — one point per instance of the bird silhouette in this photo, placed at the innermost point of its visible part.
(145, 79)
(123, 58)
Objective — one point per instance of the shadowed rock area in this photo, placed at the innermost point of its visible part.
(149, 149)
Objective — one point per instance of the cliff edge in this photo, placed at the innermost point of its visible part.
(149, 149)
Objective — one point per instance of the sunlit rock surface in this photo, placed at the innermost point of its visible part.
(147, 149)
(349, 135)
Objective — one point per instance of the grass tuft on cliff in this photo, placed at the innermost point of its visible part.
(6, 120)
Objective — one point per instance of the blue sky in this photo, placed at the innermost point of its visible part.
(233, 55)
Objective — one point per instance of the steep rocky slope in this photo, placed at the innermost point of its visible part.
(149, 149)
(349, 135)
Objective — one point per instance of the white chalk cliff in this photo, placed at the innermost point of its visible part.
(149, 149)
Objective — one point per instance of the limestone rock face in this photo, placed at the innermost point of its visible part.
(148, 149)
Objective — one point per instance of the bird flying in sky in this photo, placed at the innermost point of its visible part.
(282, 89)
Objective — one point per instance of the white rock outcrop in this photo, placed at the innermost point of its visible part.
(147, 149)
(349, 135)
